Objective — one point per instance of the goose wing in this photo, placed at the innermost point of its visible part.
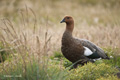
(93, 48)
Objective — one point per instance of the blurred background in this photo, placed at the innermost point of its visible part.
(89, 11)
(95, 20)
(30, 38)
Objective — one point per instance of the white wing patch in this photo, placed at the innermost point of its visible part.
(87, 51)
(97, 59)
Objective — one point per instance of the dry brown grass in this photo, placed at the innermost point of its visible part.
(32, 20)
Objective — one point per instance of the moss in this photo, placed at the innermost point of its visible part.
(66, 63)
(92, 72)
(114, 57)
(109, 78)
(57, 55)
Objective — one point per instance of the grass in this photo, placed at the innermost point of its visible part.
(88, 72)
(32, 71)
(30, 35)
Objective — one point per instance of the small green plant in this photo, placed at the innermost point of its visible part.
(66, 63)
(109, 78)
(114, 57)
(3, 53)
(113, 61)
(92, 71)
(57, 55)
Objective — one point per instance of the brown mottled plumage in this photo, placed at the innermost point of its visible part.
(73, 49)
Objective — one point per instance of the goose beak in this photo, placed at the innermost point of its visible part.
(62, 21)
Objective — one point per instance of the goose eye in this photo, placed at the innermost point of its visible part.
(67, 17)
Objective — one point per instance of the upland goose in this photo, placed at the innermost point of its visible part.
(80, 50)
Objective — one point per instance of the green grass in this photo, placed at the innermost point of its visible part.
(92, 72)
(34, 71)
(101, 69)
(57, 69)
(115, 57)
(4, 54)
